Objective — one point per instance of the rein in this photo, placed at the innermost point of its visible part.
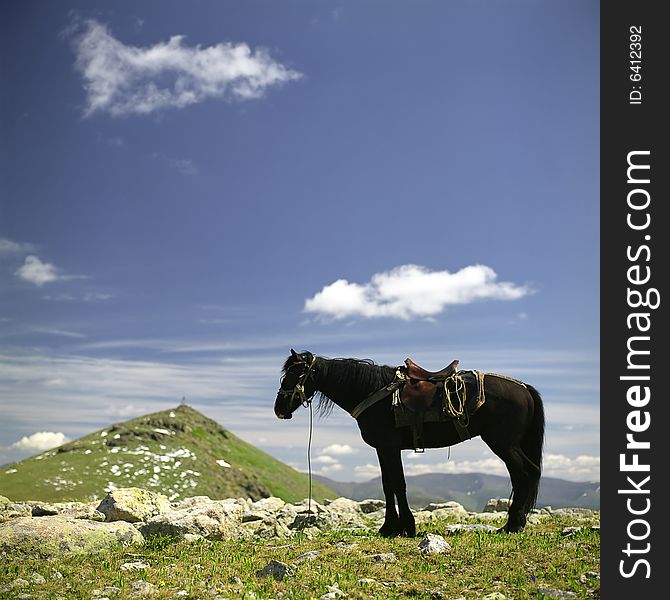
(391, 388)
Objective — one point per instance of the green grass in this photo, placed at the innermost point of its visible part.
(518, 566)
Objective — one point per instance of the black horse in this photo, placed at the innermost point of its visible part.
(511, 422)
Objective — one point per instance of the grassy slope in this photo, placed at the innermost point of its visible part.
(519, 566)
(138, 452)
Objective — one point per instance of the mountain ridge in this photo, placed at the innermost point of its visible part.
(472, 490)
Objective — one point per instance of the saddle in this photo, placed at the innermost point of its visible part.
(414, 371)
(426, 396)
(421, 390)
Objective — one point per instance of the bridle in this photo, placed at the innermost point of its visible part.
(299, 388)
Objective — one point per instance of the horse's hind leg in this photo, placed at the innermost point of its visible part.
(400, 522)
(522, 485)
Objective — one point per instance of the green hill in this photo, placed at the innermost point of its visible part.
(178, 452)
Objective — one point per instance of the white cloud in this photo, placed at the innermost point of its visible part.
(334, 468)
(40, 441)
(35, 271)
(339, 449)
(10, 248)
(411, 291)
(325, 459)
(123, 80)
(367, 471)
(579, 468)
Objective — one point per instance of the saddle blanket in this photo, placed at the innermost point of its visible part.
(460, 395)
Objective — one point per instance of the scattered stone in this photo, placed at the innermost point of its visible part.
(311, 555)
(470, 527)
(570, 531)
(143, 588)
(13, 510)
(433, 544)
(497, 505)
(334, 591)
(37, 579)
(494, 596)
(110, 590)
(133, 505)
(16, 584)
(277, 570)
(370, 505)
(217, 520)
(385, 557)
(137, 565)
(60, 535)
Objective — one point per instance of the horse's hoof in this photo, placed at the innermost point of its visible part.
(389, 531)
(509, 529)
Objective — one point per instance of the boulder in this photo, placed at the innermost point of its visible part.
(133, 505)
(497, 505)
(433, 544)
(446, 509)
(74, 510)
(217, 520)
(12, 510)
(56, 535)
(371, 505)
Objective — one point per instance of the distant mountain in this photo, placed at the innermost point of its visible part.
(177, 452)
(472, 490)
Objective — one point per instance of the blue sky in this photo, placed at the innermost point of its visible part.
(188, 190)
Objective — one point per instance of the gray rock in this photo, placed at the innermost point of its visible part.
(446, 508)
(49, 536)
(433, 544)
(143, 588)
(137, 565)
(371, 505)
(275, 569)
(13, 510)
(385, 557)
(37, 579)
(218, 520)
(133, 505)
(497, 505)
(74, 510)
(311, 555)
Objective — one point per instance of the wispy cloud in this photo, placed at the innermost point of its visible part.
(411, 291)
(122, 80)
(9, 248)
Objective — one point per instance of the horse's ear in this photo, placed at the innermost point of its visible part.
(294, 354)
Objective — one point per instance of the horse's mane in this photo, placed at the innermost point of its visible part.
(352, 375)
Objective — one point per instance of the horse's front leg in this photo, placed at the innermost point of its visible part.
(400, 521)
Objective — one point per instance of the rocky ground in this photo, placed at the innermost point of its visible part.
(130, 516)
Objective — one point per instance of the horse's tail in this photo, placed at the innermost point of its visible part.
(532, 444)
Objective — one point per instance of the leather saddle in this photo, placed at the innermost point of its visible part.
(421, 390)
(414, 371)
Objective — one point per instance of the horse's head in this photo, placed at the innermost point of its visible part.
(297, 386)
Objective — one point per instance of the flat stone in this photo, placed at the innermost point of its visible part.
(57, 535)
